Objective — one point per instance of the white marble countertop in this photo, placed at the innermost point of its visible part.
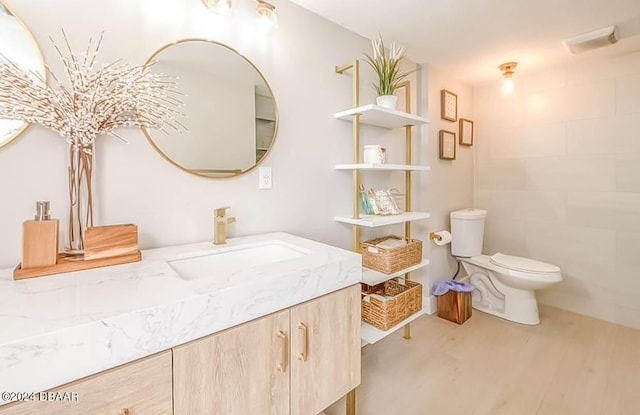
(60, 328)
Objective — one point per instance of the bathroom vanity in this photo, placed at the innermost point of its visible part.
(264, 324)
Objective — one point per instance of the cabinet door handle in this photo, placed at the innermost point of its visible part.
(305, 342)
(124, 411)
(285, 351)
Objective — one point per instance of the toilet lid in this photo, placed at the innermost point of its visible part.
(522, 264)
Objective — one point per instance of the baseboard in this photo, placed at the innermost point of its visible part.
(431, 305)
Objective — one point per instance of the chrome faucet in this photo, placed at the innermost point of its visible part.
(220, 225)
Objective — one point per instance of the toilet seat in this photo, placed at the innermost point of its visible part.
(517, 263)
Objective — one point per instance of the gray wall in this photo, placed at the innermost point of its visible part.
(449, 185)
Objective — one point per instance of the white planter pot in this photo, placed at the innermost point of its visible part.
(387, 101)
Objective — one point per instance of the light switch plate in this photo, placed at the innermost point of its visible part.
(264, 178)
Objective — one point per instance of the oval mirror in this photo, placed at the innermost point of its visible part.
(18, 46)
(230, 112)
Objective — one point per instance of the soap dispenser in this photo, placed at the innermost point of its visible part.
(40, 239)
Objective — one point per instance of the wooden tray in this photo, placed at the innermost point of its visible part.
(104, 246)
(66, 265)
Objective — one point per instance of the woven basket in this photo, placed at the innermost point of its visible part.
(389, 260)
(405, 299)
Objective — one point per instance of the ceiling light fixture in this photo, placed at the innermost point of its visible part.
(507, 73)
(266, 11)
(218, 6)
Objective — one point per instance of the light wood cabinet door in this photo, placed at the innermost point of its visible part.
(325, 350)
(139, 388)
(240, 371)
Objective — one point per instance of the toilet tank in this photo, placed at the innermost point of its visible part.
(467, 232)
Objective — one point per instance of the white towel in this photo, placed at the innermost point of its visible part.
(391, 243)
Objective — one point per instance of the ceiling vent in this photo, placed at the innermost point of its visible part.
(591, 40)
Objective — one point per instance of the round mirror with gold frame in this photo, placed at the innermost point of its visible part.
(18, 46)
(231, 115)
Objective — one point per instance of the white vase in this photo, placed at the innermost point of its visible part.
(387, 101)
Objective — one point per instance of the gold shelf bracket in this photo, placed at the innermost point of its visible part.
(407, 179)
(355, 67)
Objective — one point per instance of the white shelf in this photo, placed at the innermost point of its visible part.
(381, 117)
(369, 166)
(373, 221)
(371, 277)
(370, 334)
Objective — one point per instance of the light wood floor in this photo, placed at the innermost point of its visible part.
(568, 365)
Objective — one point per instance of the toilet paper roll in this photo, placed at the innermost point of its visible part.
(445, 238)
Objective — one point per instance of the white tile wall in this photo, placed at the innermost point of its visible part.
(593, 172)
(500, 173)
(548, 206)
(496, 111)
(544, 107)
(507, 142)
(628, 257)
(506, 236)
(546, 242)
(543, 81)
(627, 92)
(561, 180)
(482, 198)
(589, 70)
(585, 246)
(608, 210)
(628, 172)
(611, 135)
(508, 204)
(590, 100)
(625, 315)
(545, 140)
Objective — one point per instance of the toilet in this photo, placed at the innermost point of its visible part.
(505, 284)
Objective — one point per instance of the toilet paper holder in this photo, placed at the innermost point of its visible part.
(433, 235)
(440, 238)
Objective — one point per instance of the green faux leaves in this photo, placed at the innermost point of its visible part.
(386, 64)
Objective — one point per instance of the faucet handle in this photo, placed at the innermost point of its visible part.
(221, 211)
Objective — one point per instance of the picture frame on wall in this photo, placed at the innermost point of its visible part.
(465, 132)
(447, 145)
(448, 105)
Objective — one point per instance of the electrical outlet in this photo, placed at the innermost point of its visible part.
(264, 178)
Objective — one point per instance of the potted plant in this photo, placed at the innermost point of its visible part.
(386, 64)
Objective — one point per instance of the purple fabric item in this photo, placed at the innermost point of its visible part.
(443, 287)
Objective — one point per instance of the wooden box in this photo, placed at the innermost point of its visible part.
(110, 241)
(454, 306)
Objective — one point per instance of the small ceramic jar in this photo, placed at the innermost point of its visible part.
(374, 154)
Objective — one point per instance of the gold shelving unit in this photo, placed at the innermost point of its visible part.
(385, 118)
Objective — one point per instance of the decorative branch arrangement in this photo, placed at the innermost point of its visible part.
(97, 101)
(88, 102)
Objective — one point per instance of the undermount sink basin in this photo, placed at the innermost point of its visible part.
(235, 259)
